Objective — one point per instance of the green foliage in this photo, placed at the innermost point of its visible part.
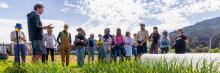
(148, 66)
(153, 66)
(201, 50)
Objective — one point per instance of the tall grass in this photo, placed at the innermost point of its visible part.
(154, 66)
(148, 66)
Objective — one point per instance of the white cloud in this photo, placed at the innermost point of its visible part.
(3, 5)
(126, 14)
(65, 9)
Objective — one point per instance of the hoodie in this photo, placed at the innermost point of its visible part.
(35, 29)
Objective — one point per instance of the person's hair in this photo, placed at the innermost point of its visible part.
(155, 27)
(118, 32)
(180, 30)
(127, 33)
(134, 34)
(155, 33)
(165, 33)
(100, 35)
(38, 6)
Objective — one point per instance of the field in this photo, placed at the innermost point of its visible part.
(148, 66)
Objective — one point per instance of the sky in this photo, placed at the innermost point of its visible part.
(96, 15)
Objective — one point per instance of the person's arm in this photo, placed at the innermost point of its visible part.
(77, 40)
(38, 24)
(58, 38)
(55, 40)
(70, 38)
(12, 37)
(186, 41)
(24, 37)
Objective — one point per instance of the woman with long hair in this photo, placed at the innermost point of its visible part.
(80, 44)
(119, 45)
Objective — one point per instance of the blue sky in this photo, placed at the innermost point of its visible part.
(95, 15)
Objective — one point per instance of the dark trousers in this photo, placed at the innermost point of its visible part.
(164, 50)
(154, 49)
(51, 52)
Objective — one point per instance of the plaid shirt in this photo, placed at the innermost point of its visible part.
(50, 40)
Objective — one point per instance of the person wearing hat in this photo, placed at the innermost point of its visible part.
(19, 40)
(142, 38)
(80, 44)
(155, 38)
(64, 41)
(50, 42)
(128, 45)
(91, 48)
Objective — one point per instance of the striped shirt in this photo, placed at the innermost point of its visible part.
(50, 40)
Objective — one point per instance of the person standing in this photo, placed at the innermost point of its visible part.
(165, 42)
(181, 42)
(91, 48)
(142, 38)
(35, 30)
(128, 45)
(119, 45)
(19, 40)
(50, 42)
(64, 40)
(107, 41)
(101, 50)
(135, 49)
(80, 44)
(154, 37)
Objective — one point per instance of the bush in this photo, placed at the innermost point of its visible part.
(215, 50)
(201, 50)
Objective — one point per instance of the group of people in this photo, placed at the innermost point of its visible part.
(109, 46)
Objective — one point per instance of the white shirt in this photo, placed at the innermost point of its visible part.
(20, 34)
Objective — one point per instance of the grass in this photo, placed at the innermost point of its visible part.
(148, 66)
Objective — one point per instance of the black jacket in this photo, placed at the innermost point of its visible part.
(34, 26)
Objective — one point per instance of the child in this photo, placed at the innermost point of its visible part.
(128, 46)
(91, 48)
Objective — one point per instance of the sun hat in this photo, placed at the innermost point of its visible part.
(18, 25)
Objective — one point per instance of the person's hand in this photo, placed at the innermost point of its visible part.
(28, 49)
(77, 39)
(82, 41)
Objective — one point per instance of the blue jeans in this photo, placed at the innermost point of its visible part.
(80, 56)
(38, 47)
(91, 52)
(118, 52)
(17, 49)
(135, 51)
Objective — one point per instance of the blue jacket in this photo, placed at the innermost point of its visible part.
(34, 26)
